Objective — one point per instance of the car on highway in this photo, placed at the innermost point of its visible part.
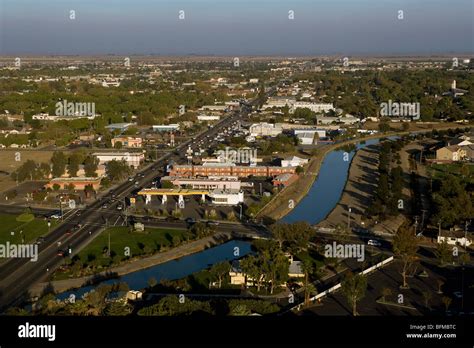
(39, 240)
(213, 223)
(104, 206)
(373, 242)
(119, 207)
(62, 253)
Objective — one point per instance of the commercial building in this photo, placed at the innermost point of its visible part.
(315, 107)
(227, 183)
(265, 129)
(122, 127)
(79, 183)
(133, 159)
(294, 161)
(208, 117)
(166, 127)
(320, 132)
(306, 138)
(226, 197)
(226, 169)
(131, 142)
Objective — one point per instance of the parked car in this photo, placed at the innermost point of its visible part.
(373, 242)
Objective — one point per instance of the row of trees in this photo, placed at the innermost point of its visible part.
(388, 194)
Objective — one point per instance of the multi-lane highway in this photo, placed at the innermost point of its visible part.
(17, 275)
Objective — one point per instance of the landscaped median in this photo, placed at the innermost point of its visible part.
(64, 280)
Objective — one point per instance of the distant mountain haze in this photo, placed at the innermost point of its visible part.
(236, 27)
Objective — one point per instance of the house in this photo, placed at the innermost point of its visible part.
(469, 152)
(284, 180)
(294, 161)
(131, 142)
(452, 153)
(457, 237)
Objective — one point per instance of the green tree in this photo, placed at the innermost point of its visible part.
(405, 246)
(354, 287)
(59, 162)
(219, 271)
(91, 164)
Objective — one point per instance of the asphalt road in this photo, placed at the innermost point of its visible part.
(18, 275)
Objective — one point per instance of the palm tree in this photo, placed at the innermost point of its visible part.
(307, 268)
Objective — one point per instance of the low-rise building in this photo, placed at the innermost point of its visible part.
(208, 118)
(452, 153)
(226, 169)
(294, 161)
(226, 197)
(165, 127)
(78, 183)
(122, 127)
(131, 142)
(133, 159)
(265, 129)
(284, 180)
(306, 138)
(220, 183)
(458, 237)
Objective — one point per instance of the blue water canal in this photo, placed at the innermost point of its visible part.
(327, 188)
(321, 199)
(174, 269)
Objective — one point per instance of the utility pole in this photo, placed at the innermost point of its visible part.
(108, 250)
(261, 189)
(241, 211)
(416, 223)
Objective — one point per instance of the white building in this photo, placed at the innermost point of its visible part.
(293, 161)
(455, 238)
(306, 138)
(132, 159)
(265, 129)
(208, 117)
(226, 197)
(166, 127)
(315, 107)
(321, 132)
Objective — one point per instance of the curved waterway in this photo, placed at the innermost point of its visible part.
(327, 189)
(175, 269)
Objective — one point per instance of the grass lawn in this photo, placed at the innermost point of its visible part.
(31, 230)
(150, 241)
(440, 171)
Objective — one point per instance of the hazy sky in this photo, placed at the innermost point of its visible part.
(236, 27)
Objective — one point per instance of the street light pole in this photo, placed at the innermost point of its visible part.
(240, 211)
